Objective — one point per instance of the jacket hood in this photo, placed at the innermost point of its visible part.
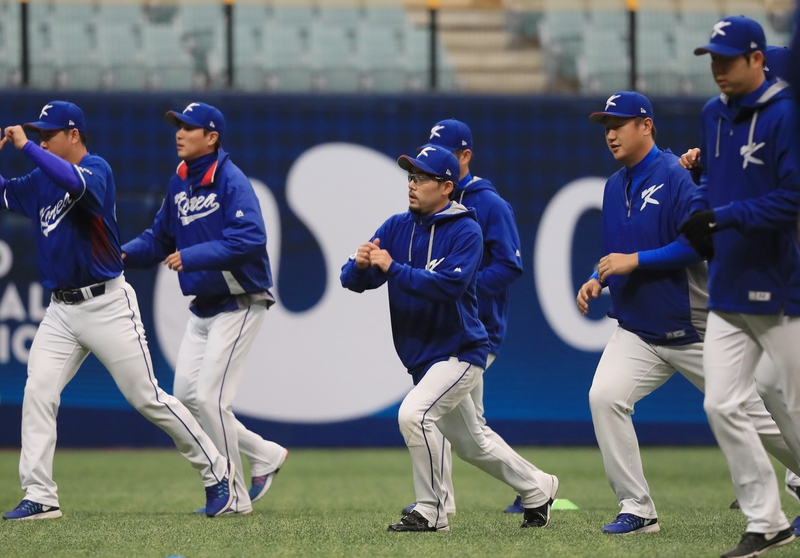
(477, 184)
(769, 92)
(454, 210)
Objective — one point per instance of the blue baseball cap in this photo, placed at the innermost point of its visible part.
(436, 160)
(451, 134)
(199, 115)
(735, 35)
(59, 115)
(624, 104)
(777, 63)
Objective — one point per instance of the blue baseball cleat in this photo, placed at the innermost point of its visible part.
(219, 496)
(259, 485)
(33, 510)
(516, 507)
(628, 524)
(796, 526)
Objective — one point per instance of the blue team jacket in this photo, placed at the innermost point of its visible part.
(501, 264)
(752, 182)
(434, 311)
(661, 306)
(218, 228)
(78, 242)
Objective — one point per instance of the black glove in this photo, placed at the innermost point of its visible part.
(704, 246)
(699, 224)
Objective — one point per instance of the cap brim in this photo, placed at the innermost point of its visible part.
(600, 117)
(177, 118)
(47, 126)
(722, 50)
(408, 164)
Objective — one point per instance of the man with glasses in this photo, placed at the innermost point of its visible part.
(210, 231)
(429, 257)
(72, 197)
(501, 265)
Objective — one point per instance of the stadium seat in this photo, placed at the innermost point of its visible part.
(286, 58)
(417, 62)
(699, 15)
(655, 64)
(694, 71)
(122, 60)
(340, 16)
(74, 12)
(10, 61)
(170, 66)
(42, 65)
(331, 55)
(117, 13)
(386, 16)
(78, 65)
(604, 62)
(561, 35)
(379, 59)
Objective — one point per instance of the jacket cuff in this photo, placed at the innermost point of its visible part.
(724, 217)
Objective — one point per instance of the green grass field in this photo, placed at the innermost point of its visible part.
(338, 503)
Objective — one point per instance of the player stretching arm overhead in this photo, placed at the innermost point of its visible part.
(429, 259)
(211, 231)
(746, 216)
(71, 197)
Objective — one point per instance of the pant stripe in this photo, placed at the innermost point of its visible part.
(222, 389)
(155, 387)
(425, 437)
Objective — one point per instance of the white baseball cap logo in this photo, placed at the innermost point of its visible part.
(610, 101)
(44, 110)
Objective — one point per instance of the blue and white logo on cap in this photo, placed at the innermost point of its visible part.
(734, 35)
(435, 160)
(59, 115)
(624, 104)
(199, 115)
(451, 134)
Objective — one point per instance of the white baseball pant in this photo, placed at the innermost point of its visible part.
(631, 369)
(209, 369)
(110, 327)
(733, 346)
(442, 398)
(447, 457)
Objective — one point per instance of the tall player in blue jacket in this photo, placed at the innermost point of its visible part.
(658, 292)
(500, 266)
(746, 218)
(71, 198)
(211, 231)
(429, 257)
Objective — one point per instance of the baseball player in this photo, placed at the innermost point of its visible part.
(211, 231)
(438, 248)
(71, 196)
(500, 266)
(776, 65)
(658, 291)
(745, 218)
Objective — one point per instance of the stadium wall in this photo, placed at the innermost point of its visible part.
(324, 169)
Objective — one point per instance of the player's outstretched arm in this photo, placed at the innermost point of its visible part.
(691, 158)
(590, 289)
(617, 264)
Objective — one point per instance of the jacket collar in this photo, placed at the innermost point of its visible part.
(211, 173)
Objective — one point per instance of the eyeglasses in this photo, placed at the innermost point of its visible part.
(421, 177)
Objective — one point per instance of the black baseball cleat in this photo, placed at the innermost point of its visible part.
(754, 544)
(735, 505)
(416, 523)
(540, 517)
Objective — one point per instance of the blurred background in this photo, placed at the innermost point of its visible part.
(320, 98)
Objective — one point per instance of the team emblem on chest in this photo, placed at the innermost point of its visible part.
(51, 216)
(196, 207)
(647, 196)
(746, 151)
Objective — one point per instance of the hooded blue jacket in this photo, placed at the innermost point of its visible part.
(432, 300)
(502, 263)
(215, 221)
(752, 182)
(663, 306)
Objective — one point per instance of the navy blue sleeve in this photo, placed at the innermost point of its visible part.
(502, 240)
(61, 172)
(449, 283)
(19, 194)
(360, 280)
